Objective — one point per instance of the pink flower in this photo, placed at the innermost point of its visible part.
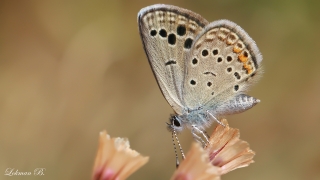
(115, 160)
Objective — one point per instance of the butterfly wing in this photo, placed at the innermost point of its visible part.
(167, 33)
(221, 65)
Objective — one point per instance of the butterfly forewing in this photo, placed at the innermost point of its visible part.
(167, 33)
(222, 61)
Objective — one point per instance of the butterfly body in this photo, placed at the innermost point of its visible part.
(203, 69)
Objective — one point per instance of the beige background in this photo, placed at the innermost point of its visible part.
(69, 69)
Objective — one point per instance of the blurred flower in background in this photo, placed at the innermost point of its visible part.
(115, 159)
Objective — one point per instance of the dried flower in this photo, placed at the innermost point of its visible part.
(224, 153)
(227, 151)
(196, 166)
(115, 159)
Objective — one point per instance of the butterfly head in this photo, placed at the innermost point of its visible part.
(175, 124)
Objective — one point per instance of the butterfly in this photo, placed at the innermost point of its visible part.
(203, 69)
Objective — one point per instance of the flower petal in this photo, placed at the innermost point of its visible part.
(115, 159)
(196, 166)
(227, 151)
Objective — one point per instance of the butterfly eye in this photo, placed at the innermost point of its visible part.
(176, 122)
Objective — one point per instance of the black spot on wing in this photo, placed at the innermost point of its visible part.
(172, 39)
(237, 75)
(163, 33)
(236, 87)
(170, 62)
(193, 82)
(181, 30)
(188, 43)
(153, 32)
(210, 73)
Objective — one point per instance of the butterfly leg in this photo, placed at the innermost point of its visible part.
(204, 132)
(214, 118)
(207, 135)
(194, 132)
(197, 138)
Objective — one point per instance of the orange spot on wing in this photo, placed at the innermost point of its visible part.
(242, 58)
(248, 68)
(236, 49)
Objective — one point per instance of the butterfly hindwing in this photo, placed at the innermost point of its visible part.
(221, 64)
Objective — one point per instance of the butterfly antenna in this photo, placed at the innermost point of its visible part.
(182, 154)
(175, 151)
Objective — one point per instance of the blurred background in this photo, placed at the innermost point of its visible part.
(69, 69)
